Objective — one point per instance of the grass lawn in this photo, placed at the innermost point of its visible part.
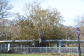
(35, 55)
(25, 55)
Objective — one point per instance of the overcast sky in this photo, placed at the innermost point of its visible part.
(69, 9)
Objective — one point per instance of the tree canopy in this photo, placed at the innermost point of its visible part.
(37, 23)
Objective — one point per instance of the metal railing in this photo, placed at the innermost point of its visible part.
(70, 47)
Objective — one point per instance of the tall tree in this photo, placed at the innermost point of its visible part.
(40, 23)
(4, 13)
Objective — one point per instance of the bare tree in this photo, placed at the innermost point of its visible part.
(4, 13)
(4, 8)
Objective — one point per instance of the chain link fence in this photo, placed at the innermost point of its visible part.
(46, 50)
(68, 48)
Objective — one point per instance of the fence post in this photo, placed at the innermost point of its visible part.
(78, 35)
(8, 46)
(59, 46)
(46, 50)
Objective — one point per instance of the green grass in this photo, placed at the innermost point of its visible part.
(36, 55)
(24, 55)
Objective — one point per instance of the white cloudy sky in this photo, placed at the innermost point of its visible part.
(70, 9)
